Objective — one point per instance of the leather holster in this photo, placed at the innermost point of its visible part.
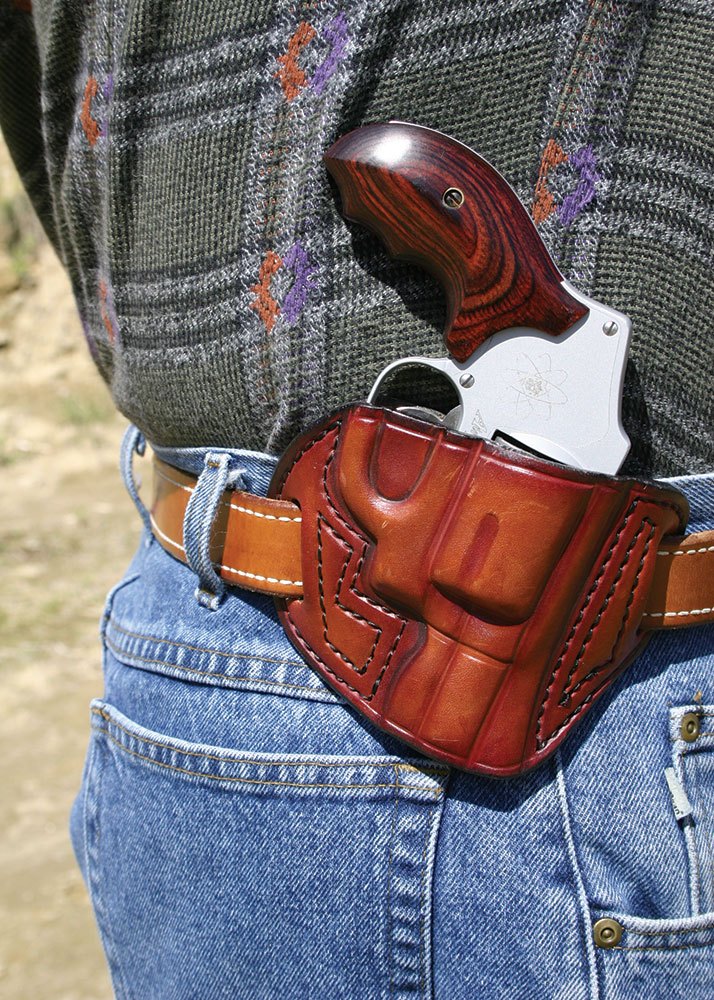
(470, 600)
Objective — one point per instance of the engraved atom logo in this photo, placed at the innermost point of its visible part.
(536, 385)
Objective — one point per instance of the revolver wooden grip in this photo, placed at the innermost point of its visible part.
(437, 203)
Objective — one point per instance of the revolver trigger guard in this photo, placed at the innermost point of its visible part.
(445, 367)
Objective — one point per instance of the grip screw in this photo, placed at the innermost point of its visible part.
(453, 198)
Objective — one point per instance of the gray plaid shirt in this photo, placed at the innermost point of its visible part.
(173, 151)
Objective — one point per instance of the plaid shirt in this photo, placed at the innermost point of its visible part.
(173, 152)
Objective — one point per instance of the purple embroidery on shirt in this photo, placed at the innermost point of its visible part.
(90, 341)
(572, 205)
(336, 32)
(297, 260)
(108, 93)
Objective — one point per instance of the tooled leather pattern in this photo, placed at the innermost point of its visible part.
(470, 601)
(344, 593)
(603, 670)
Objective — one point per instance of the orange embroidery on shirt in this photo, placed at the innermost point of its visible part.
(89, 124)
(544, 202)
(292, 77)
(264, 304)
(104, 310)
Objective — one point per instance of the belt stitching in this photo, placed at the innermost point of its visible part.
(233, 506)
(229, 569)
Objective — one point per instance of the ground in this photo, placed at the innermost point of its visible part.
(67, 530)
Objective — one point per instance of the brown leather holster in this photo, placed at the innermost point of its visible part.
(470, 600)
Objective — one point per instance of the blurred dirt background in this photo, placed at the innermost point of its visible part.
(67, 531)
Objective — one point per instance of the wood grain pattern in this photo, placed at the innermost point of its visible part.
(493, 265)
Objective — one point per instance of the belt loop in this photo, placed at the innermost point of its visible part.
(133, 441)
(216, 475)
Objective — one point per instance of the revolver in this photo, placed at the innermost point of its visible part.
(535, 364)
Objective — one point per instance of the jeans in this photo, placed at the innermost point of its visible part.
(244, 833)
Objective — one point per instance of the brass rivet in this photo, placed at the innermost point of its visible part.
(690, 727)
(453, 198)
(607, 933)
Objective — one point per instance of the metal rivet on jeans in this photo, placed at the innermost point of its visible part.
(690, 727)
(607, 933)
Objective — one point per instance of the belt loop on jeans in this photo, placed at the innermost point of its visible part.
(218, 473)
(132, 443)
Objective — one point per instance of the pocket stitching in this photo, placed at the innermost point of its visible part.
(119, 652)
(202, 649)
(234, 779)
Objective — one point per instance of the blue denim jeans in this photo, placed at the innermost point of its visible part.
(243, 833)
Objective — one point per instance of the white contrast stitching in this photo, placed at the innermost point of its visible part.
(257, 576)
(168, 479)
(268, 517)
(685, 552)
(243, 510)
(229, 569)
(677, 614)
(161, 534)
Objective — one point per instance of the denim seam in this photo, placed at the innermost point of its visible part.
(198, 672)
(690, 844)
(109, 603)
(425, 988)
(234, 779)
(119, 651)
(308, 762)
(103, 918)
(580, 892)
(204, 649)
(428, 882)
(663, 947)
(706, 836)
(85, 807)
(691, 840)
(407, 929)
(676, 930)
(390, 918)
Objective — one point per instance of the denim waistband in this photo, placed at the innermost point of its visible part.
(699, 491)
(255, 466)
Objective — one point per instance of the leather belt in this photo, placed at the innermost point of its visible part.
(256, 544)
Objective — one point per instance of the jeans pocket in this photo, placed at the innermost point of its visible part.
(673, 956)
(227, 872)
